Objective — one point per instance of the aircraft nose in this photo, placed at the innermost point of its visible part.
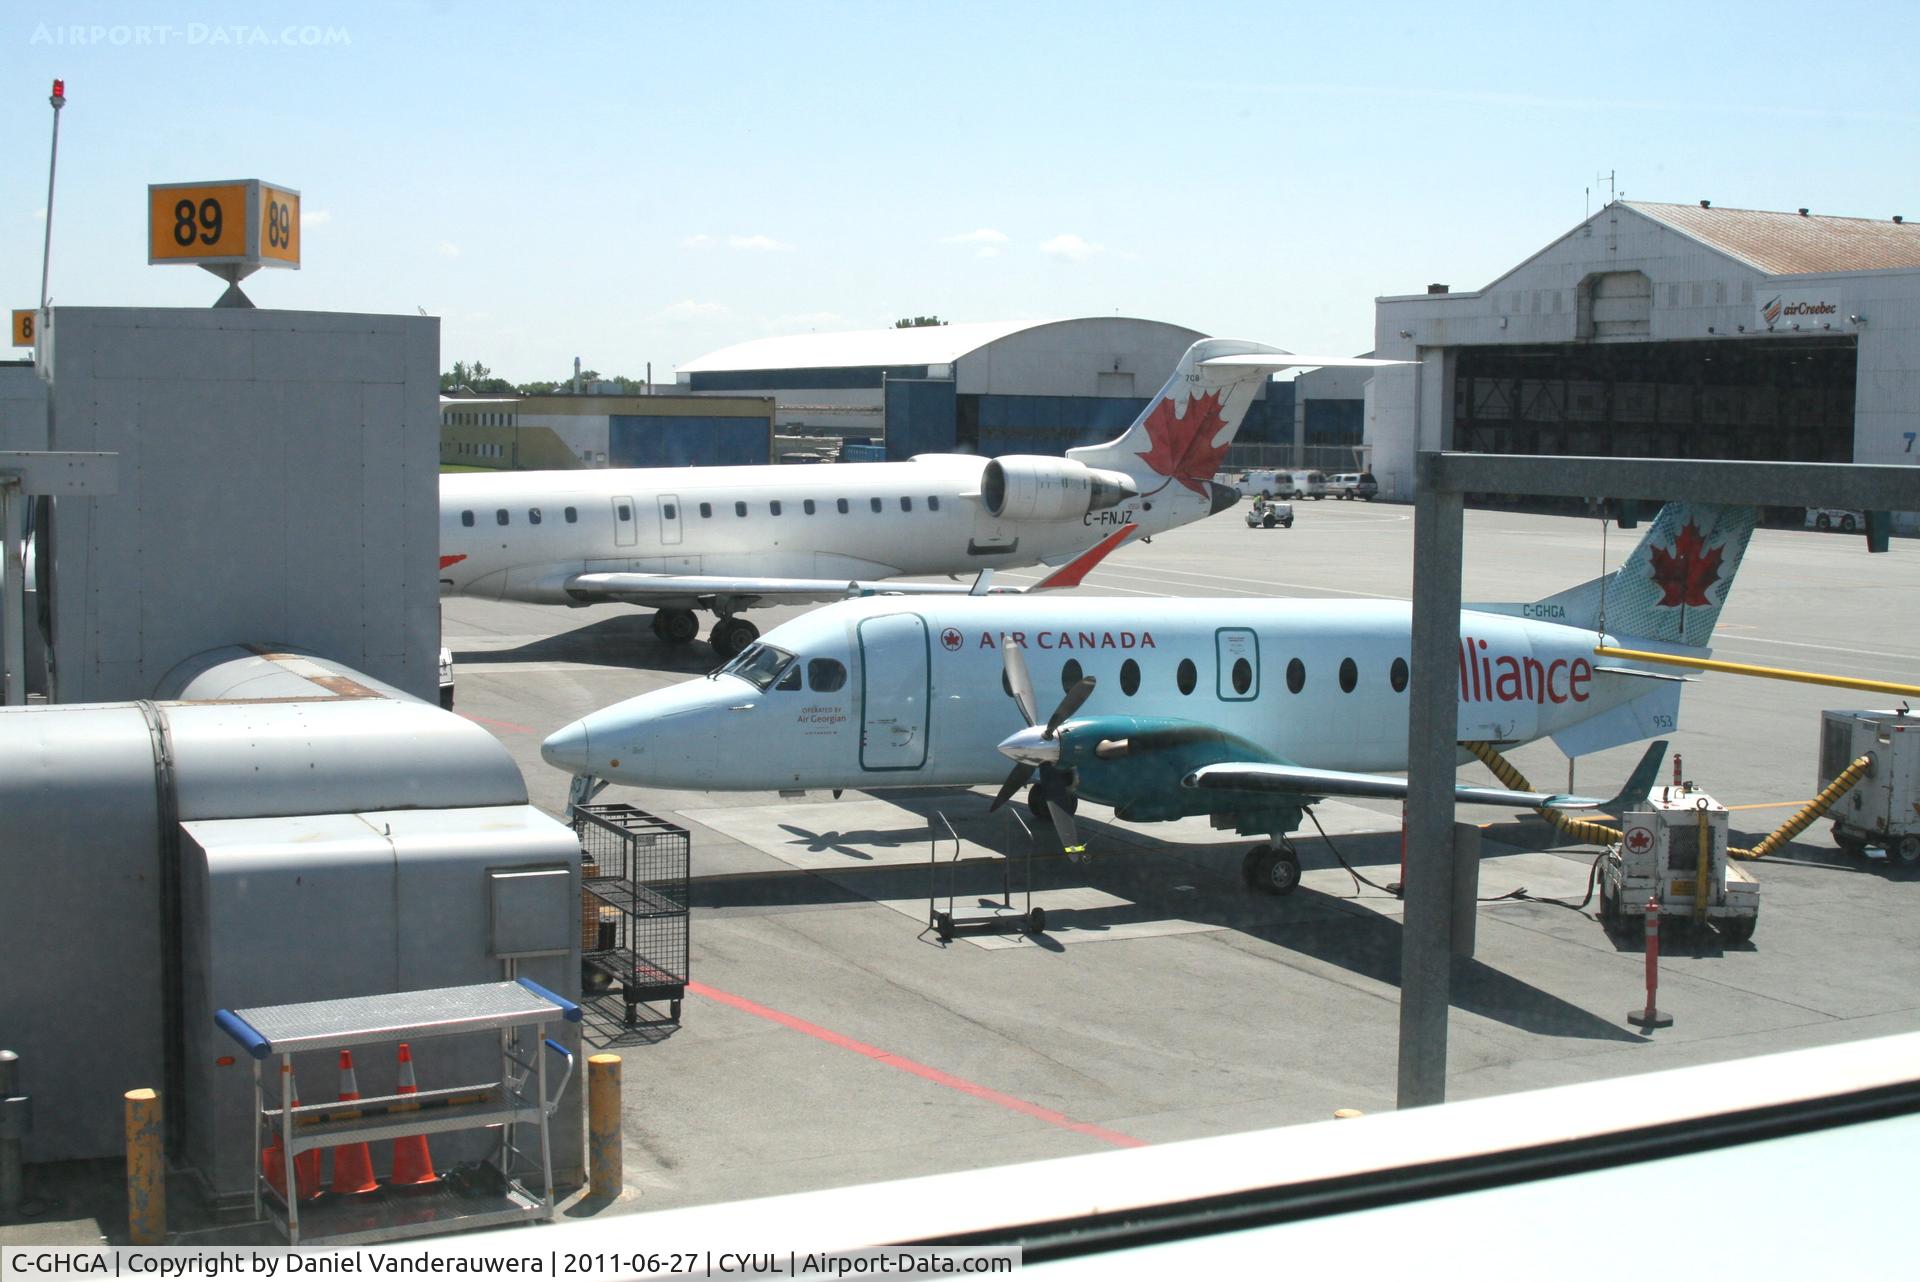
(566, 749)
(1220, 497)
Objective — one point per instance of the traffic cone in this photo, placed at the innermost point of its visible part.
(306, 1166)
(352, 1163)
(412, 1163)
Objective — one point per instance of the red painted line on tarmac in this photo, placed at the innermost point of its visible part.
(923, 1071)
(504, 725)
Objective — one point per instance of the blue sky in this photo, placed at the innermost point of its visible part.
(648, 182)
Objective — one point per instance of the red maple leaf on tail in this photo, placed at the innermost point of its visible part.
(1684, 575)
(1183, 447)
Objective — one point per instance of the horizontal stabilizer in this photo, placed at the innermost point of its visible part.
(1291, 360)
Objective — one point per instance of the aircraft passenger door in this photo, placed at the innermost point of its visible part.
(894, 692)
(669, 518)
(625, 525)
(1237, 677)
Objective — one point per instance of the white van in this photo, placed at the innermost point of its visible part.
(1309, 485)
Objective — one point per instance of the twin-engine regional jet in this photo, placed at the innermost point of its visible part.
(725, 539)
(1247, 711)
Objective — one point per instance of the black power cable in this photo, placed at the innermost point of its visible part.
(1398, 891)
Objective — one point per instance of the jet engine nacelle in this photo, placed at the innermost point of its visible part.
(1031, 487)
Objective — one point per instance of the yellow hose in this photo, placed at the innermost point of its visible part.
(1808, 813)
(1600, 834)
(1503, 770)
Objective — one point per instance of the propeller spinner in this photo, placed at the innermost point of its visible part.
(1036, 749)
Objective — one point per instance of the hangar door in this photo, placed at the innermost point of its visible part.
(1780, 399)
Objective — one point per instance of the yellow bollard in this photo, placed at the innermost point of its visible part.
(604, 1165)
(146, 1170)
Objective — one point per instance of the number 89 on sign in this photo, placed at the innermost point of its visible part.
(240, 223)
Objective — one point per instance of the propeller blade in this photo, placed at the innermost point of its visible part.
(1070, 705)
(1018, 681)
(1063, 828)
(1015, 782)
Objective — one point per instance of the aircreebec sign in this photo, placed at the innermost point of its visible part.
(1800, 308)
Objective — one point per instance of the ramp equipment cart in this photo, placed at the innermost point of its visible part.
(518, 1102)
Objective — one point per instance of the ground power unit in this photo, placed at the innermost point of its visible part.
(1883, 809)
(1673, 850)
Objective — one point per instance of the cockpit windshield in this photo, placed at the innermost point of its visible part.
(759, 664)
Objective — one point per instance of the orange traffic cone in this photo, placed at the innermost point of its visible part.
(352, 1163)
(412, 1163)
(306, 1166)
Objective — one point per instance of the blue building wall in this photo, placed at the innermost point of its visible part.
(1270, 420)
(773, 380)
(920, 417)
(649, 441)
(1336, 422)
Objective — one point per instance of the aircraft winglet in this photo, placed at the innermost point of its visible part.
(1070, 574)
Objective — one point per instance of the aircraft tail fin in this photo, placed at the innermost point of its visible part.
(1184, 431)
(1670, 590)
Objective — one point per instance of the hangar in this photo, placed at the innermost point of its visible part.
(991, 388)
(559, 430)
(1666, 330)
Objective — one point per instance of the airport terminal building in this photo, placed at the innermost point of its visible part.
(1666, 330)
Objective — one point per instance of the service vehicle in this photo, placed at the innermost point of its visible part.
(1267, 513)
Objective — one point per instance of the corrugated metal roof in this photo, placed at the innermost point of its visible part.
(1787, 244)
(860, 348)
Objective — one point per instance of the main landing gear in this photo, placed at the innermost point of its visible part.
(731, 634)
(1274, 869)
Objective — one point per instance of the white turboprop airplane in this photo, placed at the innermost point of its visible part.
(726, 539)
(1247, 711)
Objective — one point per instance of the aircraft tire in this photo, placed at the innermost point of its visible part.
(1277, 872)
(732, 635)
(676, 627)
(1037, 921)
(1250, 862)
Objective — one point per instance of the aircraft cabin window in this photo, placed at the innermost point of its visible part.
(906, 504)
(739, 509)
(706, 509)
(573, 515)
(824, 676)
(466, 518)
(1349, 675)
(842, 503)
(933, 502)
(1187, 676)
(774, 507)
(500, 517)
(1242, 676)
(666, 509)
(1398, 675)
(1296, 676)
(1070, 675)
(533, 516)
(791, 681)
(1129, 677)
(875, 503)
(807, 507)
(624, 512)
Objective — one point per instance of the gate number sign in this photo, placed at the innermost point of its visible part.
(242, 223)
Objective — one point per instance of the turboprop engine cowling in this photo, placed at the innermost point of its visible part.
(1030, 487)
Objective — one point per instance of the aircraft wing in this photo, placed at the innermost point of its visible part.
(700, 591)
(1259, 776)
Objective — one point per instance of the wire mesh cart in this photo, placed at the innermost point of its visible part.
(635, 869)
(517, 1102)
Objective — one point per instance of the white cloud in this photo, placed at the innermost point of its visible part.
(700, 241)
(1071, 247)
(315, 217)
(688, 309)
(988, 251)
(756, 244)
(449, 249)
(984, 236)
